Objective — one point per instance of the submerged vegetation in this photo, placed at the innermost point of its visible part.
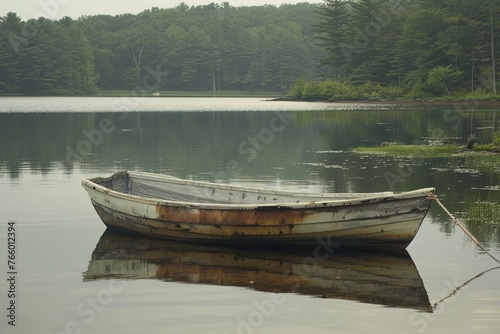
(488, 163)
(433, 150)
(485, 208)
(482, 213)
(411, 150)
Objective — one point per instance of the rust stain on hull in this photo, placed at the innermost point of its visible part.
(272, 232)
(259, 217)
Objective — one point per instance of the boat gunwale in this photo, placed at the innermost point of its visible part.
(362, 199)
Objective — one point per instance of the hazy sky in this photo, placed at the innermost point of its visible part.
(56, 9)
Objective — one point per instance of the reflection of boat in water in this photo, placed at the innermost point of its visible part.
(391, 280)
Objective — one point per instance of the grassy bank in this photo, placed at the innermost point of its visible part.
(431, 150)
(306, 90)
(424, 150)
(410, 150)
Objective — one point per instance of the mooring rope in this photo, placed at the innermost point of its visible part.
(435, 305)
(457, 222)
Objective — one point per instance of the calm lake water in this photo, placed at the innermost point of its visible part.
(73, 277)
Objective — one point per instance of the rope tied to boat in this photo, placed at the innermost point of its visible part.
(457, 222)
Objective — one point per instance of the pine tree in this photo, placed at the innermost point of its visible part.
(332, 34)
(10, 47)
(366, 28)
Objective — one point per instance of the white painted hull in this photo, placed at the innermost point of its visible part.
(149, 204)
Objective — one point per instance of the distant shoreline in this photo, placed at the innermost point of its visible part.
(268, 95)
(275, 96)
(456, 101)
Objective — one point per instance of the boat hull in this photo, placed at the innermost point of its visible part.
(390, 219)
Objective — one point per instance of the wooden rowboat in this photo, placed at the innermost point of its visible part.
(172, 208)
(350, 274)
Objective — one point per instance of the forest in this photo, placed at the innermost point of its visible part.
(416, 49)
(413, 48)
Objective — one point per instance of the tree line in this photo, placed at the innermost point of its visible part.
(210, 47)
(420, 47)
(360, 48)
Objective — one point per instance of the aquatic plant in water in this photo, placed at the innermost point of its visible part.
(482, 214)
(427, 151)
(486, 162)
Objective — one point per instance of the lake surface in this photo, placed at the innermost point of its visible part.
(72, 276)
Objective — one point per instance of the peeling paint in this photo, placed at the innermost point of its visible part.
(381, 218)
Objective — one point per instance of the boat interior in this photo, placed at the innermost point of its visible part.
(174, 189)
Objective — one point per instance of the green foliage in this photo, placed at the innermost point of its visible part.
(428, 151)
(298, 88)
(488, 163)
(482, 147)
(311, 91)
(391, 92)
(45, 57)
(428, 48)
(372, 48)
(496, 141)
(493, 146)
(332, 34)
(209, 47)
(335, 90)
(440, 79)
(482, 210)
